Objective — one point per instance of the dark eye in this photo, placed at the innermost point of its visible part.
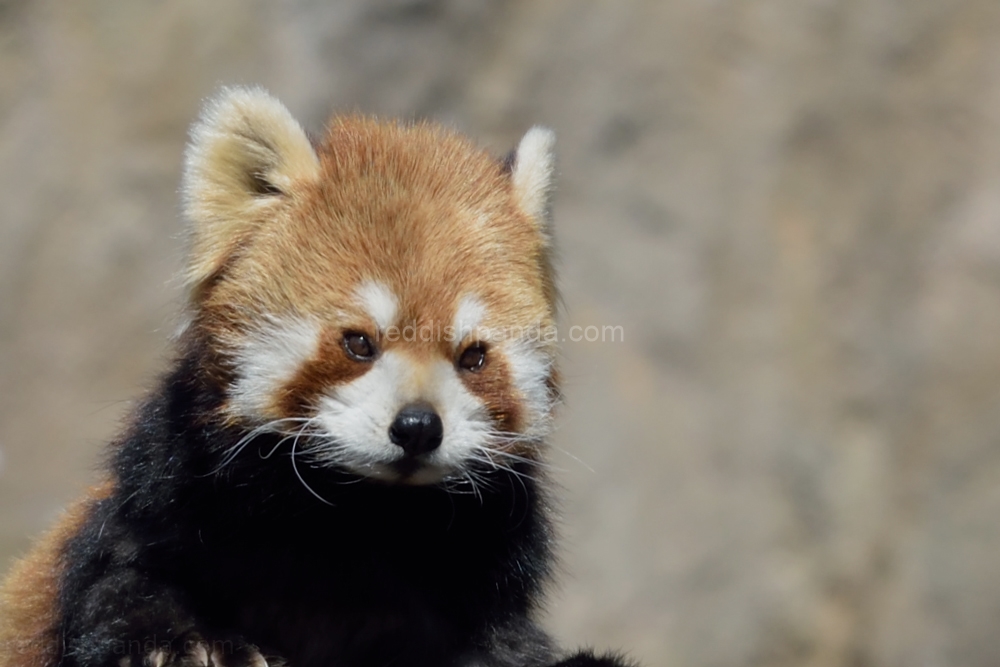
(473, 358)
(359, 346)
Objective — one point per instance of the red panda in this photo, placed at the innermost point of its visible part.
(344, 464)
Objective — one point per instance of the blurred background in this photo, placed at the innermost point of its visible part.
(792, 208)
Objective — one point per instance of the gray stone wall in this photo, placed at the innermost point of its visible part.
(791, 208)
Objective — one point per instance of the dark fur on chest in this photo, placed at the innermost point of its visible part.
(247, 553)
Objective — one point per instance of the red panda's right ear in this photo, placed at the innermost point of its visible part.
(246, 154)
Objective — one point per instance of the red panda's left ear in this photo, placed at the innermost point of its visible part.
(532, 174)
(247, 154)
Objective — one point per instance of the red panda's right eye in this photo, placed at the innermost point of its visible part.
(359, 347)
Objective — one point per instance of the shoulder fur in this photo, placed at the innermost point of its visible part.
(29, 596)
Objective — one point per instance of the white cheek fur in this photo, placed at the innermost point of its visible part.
(530, 367)
(266, 360)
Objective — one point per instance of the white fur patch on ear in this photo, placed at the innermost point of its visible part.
(246, 151)
(532, 174)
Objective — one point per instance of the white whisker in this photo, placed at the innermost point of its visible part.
(295, 467)
(575, 458)
(273, 426)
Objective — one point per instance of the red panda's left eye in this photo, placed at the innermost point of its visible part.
(473, 358)
(359, 347)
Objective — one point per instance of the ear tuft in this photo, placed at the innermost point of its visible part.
(246, 153)
(532, 172)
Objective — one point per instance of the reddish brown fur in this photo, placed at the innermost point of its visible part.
(29, 594)
(329, 366)
(435, 221)
(493, 383)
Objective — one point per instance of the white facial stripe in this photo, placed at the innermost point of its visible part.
(470, 314)
(357, 416)
(268, 359)
(530, 367)
(379, 302)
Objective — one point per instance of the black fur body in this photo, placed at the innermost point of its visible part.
(246, 556)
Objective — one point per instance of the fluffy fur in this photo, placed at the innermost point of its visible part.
(344, 464)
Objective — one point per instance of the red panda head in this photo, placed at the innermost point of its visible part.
(385, 294)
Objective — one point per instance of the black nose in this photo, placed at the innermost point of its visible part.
(417, 429)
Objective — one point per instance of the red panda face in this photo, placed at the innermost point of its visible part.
(383, 299)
